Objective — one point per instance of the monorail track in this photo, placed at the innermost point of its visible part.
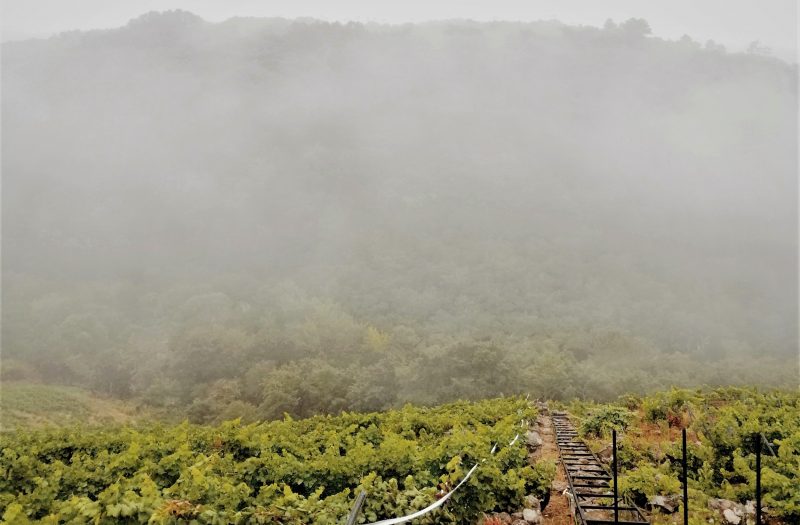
(589, 481)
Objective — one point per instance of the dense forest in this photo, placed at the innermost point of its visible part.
(267, 216)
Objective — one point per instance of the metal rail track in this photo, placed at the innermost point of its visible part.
(589, 481)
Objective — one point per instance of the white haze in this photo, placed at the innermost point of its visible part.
(455, 177)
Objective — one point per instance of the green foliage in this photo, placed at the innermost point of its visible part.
(669, 406)
(543, 474)
(294, 471)
(732, 429)
(724, 429)
(601, 421)
(257, 351)
(640, 483)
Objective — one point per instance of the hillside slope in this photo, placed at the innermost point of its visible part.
(194, 213)
(292, 471)
(310, 470)
(32, 405)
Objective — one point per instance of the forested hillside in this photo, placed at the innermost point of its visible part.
(264, 216)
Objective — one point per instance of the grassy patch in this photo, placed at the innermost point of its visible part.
(32, 405)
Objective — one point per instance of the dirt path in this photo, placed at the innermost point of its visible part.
(557, 511)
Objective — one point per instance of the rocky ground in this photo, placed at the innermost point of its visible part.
(555, 509)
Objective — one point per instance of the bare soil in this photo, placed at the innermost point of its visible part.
(557, 511)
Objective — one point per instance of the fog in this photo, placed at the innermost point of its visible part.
(185, 202)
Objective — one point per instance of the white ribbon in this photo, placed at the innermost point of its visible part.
(435, 505)
(443, 499)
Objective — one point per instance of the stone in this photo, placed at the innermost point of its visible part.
(519, 522)
(532, 502)
(731, 517)
(559, 485)
(667, 504)
(533, 439)
(606, 455)
(505, 517)
(532, 516)
(721, 504)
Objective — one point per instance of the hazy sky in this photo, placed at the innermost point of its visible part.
(734, 23)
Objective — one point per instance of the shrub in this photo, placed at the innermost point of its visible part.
(672, 406)
(602, 420)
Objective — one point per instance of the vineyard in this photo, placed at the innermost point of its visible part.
(288, 471)
(724, 428)
(370, 265)
(311, 470)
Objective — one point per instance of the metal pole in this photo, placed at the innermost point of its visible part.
(351, 519)
(616, 496)
(758, 480)
(685, 481)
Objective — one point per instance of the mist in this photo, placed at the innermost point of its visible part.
(267, 215)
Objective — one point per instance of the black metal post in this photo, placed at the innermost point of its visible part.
(685, 481)
(616, 495)
(758, 480)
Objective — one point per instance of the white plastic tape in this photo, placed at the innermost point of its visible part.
(435, 505)
(443, 499)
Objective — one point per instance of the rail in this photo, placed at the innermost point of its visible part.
(596, 502)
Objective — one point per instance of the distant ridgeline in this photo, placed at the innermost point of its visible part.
(263, 216)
